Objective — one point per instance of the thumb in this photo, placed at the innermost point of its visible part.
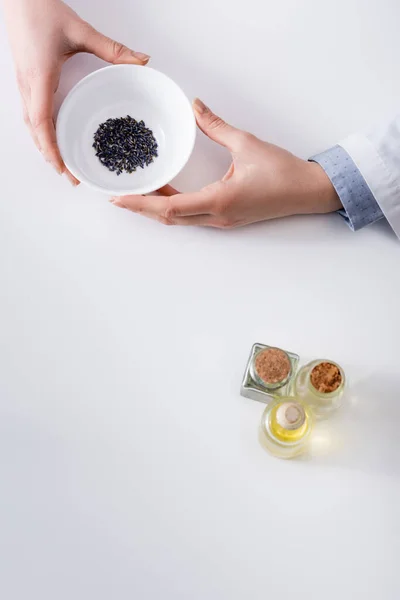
(111, 51)
(214, 127)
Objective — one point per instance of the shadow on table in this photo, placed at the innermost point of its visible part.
(364, 435)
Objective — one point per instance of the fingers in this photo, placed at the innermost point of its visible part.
(111, 51)
(168, 190)
(210, 207)
(172, 211)
(188, 205)
(41, 132)
(168, 208)
(156, 208)
(71, 178)
(41, 120)
(27, 122)
(197, 221)
(153, 207)
(215, 128)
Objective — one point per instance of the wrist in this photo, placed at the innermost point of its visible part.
(323, 197)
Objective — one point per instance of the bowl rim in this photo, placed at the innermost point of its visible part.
(144, 189)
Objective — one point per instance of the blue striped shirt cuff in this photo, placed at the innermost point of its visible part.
(359, 205)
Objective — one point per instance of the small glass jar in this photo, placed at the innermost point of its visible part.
(269, 372)
(324, 396)
(286, 427)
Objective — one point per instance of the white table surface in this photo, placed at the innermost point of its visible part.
(129, 464)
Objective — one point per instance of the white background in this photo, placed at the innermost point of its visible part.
(129, 464)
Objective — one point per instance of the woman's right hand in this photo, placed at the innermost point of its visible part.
(44, 34)
(263, 182)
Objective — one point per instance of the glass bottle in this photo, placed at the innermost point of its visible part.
(285, 366)
(322, 401)
(285, 428)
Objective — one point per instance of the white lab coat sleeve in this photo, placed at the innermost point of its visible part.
(377, 156)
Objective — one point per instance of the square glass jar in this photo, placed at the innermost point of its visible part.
(255, 388)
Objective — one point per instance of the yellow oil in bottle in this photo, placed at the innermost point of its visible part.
(288, 435)
(285, 428)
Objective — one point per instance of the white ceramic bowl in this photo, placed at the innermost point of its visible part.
(118, 91)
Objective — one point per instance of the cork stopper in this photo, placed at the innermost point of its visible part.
(272, 365)
(326, 377)
(290, 416)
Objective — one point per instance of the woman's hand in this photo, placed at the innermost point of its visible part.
(263, 182)
(44, 34)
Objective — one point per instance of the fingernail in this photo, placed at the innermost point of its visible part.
(199, 106)
(115, 201)
(73, 180)
(59, 170)
(141, 56)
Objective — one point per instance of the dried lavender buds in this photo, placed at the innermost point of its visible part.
(124, 144)
(326, 377)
